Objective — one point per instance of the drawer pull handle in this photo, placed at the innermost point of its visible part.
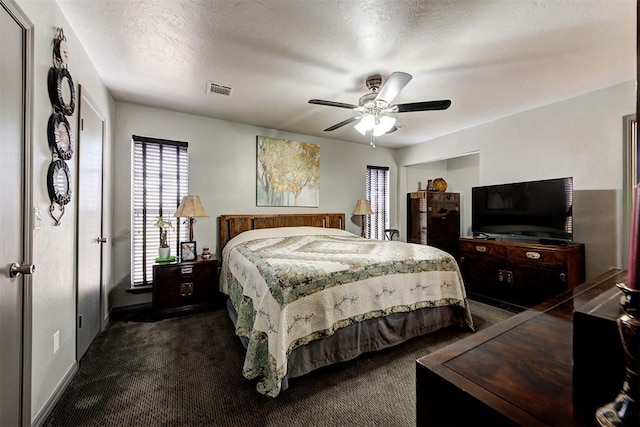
(533, 255)
(186, 289)
(186, 270)
(481, 248)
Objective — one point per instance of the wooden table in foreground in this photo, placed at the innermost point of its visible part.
(518, 372)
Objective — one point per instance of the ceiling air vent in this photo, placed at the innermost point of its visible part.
(215, 88)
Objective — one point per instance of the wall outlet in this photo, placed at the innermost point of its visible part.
(56, 342)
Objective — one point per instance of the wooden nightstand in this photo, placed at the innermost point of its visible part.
(184, 287)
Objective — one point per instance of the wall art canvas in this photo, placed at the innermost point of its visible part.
(288, 173)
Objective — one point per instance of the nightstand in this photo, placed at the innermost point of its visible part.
(184, 287)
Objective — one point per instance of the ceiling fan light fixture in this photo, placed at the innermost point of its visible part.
(367, 123)
(385, 125)
(373, 109)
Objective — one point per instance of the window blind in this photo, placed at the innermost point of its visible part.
(568, 189)
(378, 195)
(160, 175)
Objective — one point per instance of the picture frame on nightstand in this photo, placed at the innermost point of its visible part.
(188, 251)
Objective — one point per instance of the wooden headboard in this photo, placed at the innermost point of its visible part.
(232, 225)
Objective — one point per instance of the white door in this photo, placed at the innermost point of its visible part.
(15, 243)
(90, 241)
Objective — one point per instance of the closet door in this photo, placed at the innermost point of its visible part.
(90, 239)
(15, 244)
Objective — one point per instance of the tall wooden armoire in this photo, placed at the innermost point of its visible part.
(433, 218)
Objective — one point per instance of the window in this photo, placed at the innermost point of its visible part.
(159, 180)
(378, 196)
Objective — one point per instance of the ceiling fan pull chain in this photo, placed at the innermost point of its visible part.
(373, 140)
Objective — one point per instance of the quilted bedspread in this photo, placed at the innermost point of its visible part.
(291, 286)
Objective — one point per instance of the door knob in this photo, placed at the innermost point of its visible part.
(102, 240)
(17, 268)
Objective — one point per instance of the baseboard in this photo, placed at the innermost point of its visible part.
(131, 312)
(106, 320)
(55, 397)
(514, 308)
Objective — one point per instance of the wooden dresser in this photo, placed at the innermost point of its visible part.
(519, 275)
(517, 372)
(433, 218)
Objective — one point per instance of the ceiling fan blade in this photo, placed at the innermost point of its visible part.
(423, 106)
(332, 104)
(342, 123)
(392, 87)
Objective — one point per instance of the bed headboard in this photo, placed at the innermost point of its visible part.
(232, 225)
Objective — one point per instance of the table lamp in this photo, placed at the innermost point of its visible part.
(190, 207)
(362, 208)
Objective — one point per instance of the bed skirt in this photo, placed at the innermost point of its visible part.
(367, 336)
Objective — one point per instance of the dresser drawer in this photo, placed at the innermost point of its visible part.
(486, 248)
(535, 256)
(444, 197)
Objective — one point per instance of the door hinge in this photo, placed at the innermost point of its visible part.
(79, 322)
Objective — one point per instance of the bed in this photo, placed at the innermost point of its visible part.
(304, 293)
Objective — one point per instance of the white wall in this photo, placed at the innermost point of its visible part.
(222, 171)
(54, 297)
(579, 137)
(462, 174)
(419, 176)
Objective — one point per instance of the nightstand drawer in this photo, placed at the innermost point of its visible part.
(180, 293)
(179, 271)
(184, 287)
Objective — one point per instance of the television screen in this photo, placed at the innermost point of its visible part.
(526, 210)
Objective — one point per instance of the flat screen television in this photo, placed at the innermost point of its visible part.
(532, 211)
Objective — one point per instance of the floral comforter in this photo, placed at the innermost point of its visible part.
(290, 286)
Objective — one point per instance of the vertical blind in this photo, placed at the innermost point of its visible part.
(159, 181)
(378, 196)
(568, 189)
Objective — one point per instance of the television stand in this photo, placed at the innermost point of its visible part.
(553, 242)
(519, 275)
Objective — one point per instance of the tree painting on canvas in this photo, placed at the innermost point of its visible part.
(288, 173)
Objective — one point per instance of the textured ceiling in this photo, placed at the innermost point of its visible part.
(491, 58)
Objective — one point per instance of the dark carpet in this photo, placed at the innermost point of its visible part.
(186, 371)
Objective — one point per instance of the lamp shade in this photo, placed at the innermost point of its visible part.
(190, 207)
(385, 125)
(360, 128)
(362, 208)
(366, 123)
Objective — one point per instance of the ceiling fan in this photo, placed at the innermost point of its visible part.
(374, 108)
